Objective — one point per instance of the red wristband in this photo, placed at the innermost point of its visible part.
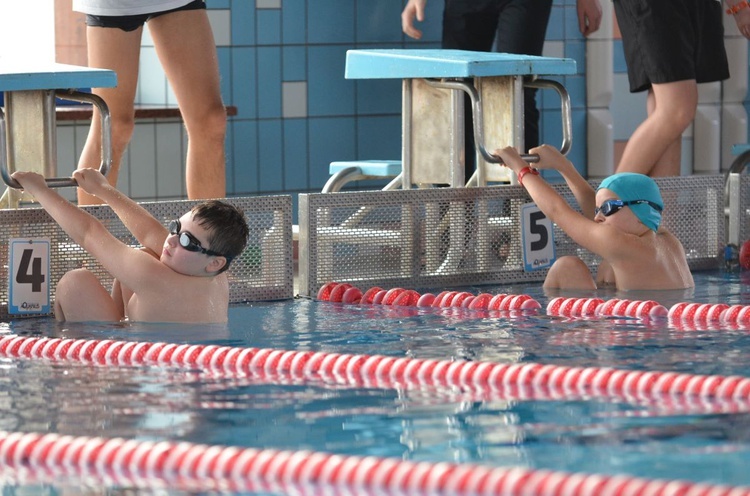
(524, 171)
(737, 7)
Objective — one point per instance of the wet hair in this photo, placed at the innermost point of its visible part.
(226, 226)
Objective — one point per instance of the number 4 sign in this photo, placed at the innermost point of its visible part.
(28, 276)
(537, 238)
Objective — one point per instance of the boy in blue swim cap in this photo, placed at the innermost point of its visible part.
(620, 222)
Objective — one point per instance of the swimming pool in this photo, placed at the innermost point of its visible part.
(700, 439)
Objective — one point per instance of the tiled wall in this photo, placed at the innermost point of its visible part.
(282, 64)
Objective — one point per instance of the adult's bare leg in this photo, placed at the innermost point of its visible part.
(655, 146)
(119, 51)
(185, 45)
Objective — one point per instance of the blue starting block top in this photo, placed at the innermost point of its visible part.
(384, 168)
(407, 64)
(22, 76)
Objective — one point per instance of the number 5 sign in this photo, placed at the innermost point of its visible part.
(537, 238)
(28, 276)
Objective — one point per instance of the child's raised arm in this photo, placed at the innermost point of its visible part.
(551, 158)
(146, 229)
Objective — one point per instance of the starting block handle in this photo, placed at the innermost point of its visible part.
(476, 103)
(60, 182)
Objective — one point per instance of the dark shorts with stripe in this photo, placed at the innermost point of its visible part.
(133, 22)
(672, 40)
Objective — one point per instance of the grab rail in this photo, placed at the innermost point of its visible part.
(59, 182)
(732, 198)
(476, 103)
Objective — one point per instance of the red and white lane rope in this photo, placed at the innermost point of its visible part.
(131, 462)
(399, 297)
(383, 371)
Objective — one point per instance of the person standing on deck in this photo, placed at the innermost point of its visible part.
(185, 45)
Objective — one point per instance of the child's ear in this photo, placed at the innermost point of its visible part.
(216, 264)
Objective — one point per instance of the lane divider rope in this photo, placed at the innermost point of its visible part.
(204, 467)
(383, 371)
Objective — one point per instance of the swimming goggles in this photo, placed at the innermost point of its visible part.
(188, 241)
(610, 207)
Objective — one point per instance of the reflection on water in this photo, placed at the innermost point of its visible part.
(693, 438)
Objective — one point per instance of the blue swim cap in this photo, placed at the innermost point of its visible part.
(630, 186)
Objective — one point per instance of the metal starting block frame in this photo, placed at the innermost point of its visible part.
(263, 272)
(448, 237)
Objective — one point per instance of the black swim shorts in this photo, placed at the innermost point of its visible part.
(672, 40)
(133, 22)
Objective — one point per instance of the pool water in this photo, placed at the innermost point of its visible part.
(695, 439)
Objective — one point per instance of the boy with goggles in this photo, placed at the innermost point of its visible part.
(178, 275)
(620, 222)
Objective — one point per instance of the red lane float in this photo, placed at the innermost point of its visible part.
(346, 293)
(204, 467)
(382, 371)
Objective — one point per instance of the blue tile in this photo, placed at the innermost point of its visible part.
(379, 96)
(576, 50)
(551, 127)
(578, 152)
(244, 82)
(378, 21)
(431, 27)
(330, 139)
(224, 55)
(331, 21)
(229, 158)
(548, 98)
(379, 138)
(618, 58)
(576, 86)
(270, 172)
(571, 24)
(294, 21)
(295, 155)
(269, 82)
(244, 156)
(328, 92)
(243, 23)
(556, 25)
(294, 63)
(268, 26)
(217, 4)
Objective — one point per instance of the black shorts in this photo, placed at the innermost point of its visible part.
(672, 40)
(133, 22)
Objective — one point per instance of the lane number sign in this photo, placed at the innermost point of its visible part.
(537, 237)
(28, 276)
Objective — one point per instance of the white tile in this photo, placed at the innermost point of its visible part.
(734, 131)
(268, 4)
(152, 80)
(294, 99)
(554, 49)
(170, 163)
(707, 140)
(67, 158)
(221, 25)
(146, 39)
(709, 93)
(735, 88)
(142, 161)
(606, 28)
(599, 73)
(600, 138)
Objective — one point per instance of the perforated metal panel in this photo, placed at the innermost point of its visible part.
(465, 236)
(744, 209)
(263, 272)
